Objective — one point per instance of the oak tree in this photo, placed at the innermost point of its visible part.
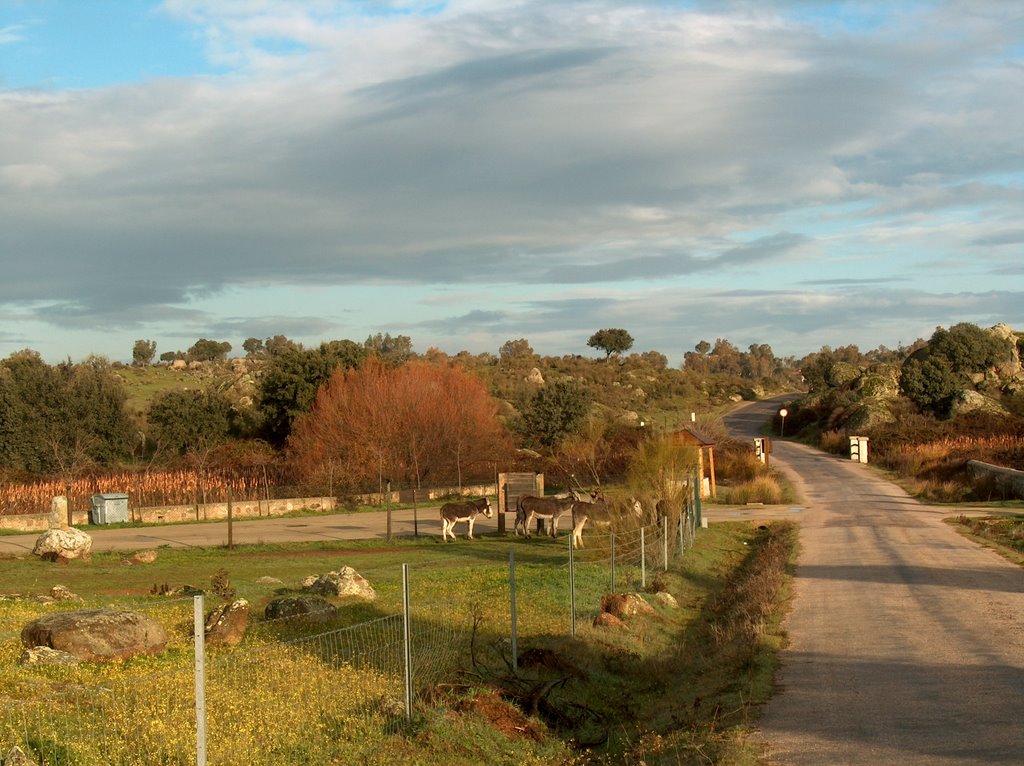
(407, 424)
(612, 340)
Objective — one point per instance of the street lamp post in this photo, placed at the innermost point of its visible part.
(782, 414)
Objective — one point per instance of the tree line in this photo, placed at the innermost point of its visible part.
(358, 414)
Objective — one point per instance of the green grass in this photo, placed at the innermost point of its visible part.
(1004, 534)
(667, 690)
(144, 383)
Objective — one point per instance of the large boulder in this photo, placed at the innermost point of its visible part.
(311, 608)
(16, 757)
(344, 582)
(606, 620)
(225, 625)
(1011, 367)
(867, 415)
(63, 545)
(972, 401)
(44, 655)
(623, 605)
(97, 634)
(880, 381)
(842, 374)
(142, 557)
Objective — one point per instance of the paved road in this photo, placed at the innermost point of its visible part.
(907, 640)
(340, 526)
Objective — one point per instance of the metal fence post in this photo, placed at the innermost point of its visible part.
(643, 560)
(199, 625)
(612, 537)
(682, 538)
(512, 605)
(664, 544)
(406, 636)
(696, 502)
(572, 592)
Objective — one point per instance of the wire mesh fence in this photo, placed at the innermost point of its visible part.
(303, 691)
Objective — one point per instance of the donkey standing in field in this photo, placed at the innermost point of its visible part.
(453, 513)
(549, 508)
(599, 513)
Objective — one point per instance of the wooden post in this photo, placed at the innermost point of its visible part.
(711, 468)
(231, 536)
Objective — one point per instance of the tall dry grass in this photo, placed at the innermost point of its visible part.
(148, 488)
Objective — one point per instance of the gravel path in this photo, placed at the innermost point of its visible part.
(907, 640)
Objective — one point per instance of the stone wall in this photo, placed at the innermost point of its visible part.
(1008, 480)
(169, 514)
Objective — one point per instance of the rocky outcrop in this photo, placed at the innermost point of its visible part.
(61, 542)
(142, 557)
(623, 605)
(972, 401)
(842, 374)
(63, 593)
(310, 608)
(344, 582)
(665, 599)
(16, 757)
(97, 634)
(606, 620)
(226, 625)
(63, 545)
(44, 655)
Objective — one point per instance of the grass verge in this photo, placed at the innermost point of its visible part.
(677, 687)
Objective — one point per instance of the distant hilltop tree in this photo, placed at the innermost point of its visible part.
(394, 350)
(516, 350)
(206, 350)
(275, 346)
(143, 352)
(612, 340)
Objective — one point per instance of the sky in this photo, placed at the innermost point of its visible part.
(795, 173)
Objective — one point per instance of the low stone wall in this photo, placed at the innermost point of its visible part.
(1009, 480)
(169, 514)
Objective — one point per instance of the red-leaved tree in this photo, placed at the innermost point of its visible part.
(412, 424)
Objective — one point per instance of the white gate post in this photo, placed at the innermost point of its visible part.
(199, 624)
(406, 642)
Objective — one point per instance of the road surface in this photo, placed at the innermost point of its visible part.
(334, 526)
(906, 639)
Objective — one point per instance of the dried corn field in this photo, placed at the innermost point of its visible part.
(145, 488)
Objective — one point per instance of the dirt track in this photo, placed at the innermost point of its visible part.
(907, 640)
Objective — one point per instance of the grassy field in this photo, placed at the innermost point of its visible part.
(677, 687)
(1004, 534)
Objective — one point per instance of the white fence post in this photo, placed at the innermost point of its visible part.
(572, 591)
(407, 643)
(643, 560)
(512, 605)
(199, 625)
